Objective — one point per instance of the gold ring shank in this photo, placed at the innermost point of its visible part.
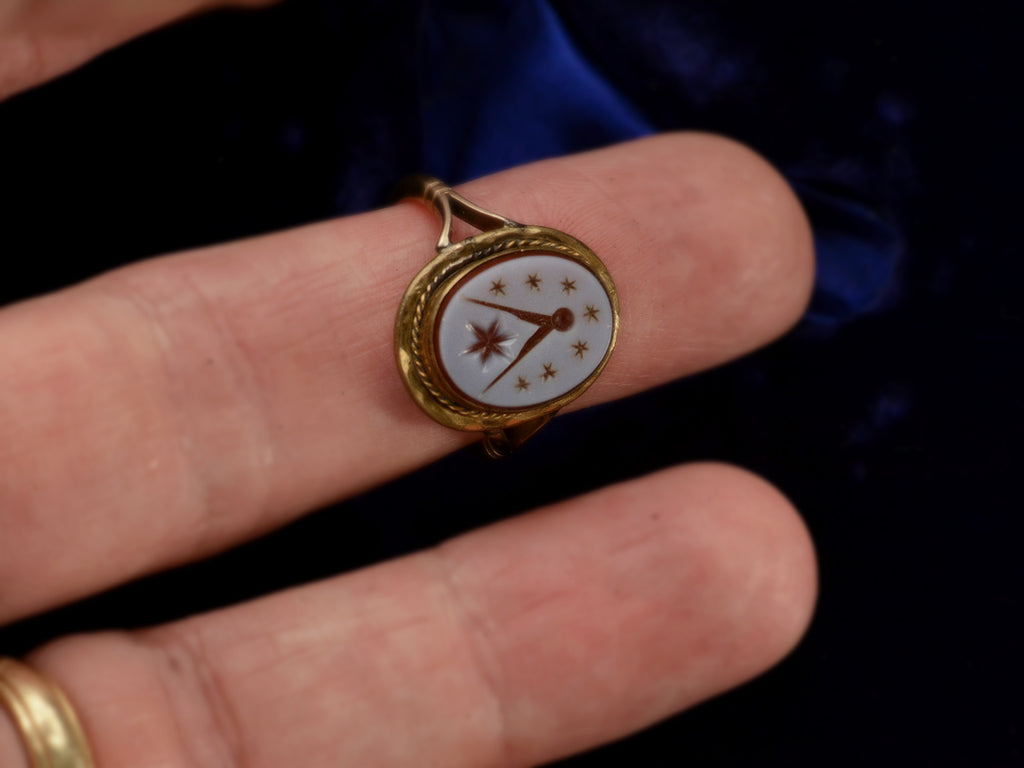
(448, 203)
(48, 726)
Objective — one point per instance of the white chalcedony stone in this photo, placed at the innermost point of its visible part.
(479, 346)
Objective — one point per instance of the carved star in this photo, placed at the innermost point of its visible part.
(489, 341)
(534, 282)
(498, 286)
(591, 313)
(568, 286)
(549, 371)
(522, 384)
(580, 347)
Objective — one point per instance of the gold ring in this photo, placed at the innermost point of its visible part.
(48, 726)
(503, 329)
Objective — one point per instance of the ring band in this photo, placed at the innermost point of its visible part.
(502, 329)
(44, 718)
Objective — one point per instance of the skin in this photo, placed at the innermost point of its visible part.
(41, 39)
(171, 409)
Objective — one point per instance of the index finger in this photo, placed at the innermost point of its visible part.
(41, 39)
(170, 409)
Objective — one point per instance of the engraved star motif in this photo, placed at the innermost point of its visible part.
(498, 286)
(549, 371)
(534, 282)
(591, 313)
(522, 385)
(568, 286)
(580, 347)
(489, 341)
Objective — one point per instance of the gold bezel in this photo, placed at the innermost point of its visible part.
(414, 329)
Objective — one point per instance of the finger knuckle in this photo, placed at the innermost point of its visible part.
(197, 700)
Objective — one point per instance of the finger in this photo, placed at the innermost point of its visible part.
(514, 645)
(41, 39)
(170, 409)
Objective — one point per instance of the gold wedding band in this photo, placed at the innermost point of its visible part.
(48, 726)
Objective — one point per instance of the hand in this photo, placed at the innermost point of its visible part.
(40, 39)
(171, 409)
(560, 320)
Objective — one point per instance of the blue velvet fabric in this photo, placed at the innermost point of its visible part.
(517, 88)
(534, 79)
(891, 415)
(511, 82)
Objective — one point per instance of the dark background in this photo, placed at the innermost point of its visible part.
(892, 414)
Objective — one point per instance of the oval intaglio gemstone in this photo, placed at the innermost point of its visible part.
(525, 330)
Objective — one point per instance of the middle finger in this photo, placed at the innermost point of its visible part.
(173, 408)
